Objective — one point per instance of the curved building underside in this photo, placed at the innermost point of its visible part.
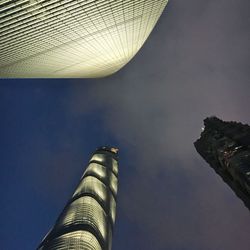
(72, 38)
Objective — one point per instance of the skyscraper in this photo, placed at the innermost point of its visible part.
(88, 218)
(67, 38)
(226, 147)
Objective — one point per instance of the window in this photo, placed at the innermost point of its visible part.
(85, 211)
(74, 240)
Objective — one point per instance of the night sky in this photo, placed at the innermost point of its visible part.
(195, 64)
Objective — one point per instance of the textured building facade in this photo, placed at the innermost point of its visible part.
(87, 220)
(73, 38)
(226, 147)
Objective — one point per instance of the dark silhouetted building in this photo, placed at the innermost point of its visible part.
(226, 147)
(88, 218)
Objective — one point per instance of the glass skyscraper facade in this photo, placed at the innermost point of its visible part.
(68, 38)
(88, 218)
(226, 147)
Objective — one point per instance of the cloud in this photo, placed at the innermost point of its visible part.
(194, 65)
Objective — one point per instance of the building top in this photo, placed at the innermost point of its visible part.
(226, 147)
(236, 131)
(112, 150)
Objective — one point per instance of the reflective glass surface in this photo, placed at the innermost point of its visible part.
(107, 161)
(92, 185)
(85, 211)
(103, 174)
(74, 240)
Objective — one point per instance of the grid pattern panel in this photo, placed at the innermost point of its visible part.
(104, 174)
(85, 211)
(74, 240)
(92, 185)
(72, 38)
(106, 160)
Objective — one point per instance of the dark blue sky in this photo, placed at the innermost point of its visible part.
(195, 64)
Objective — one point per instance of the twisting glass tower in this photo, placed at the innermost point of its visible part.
(87, 220)
(226, 147)
(73, 38)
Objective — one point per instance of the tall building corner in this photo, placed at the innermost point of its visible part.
(226, 147)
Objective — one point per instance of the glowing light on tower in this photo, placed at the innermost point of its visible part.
(88, 219)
